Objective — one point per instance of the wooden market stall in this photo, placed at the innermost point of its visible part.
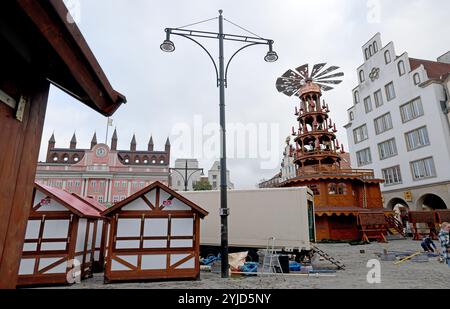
(61, 237)
(40, 46)
(154, 234)
(423, 224)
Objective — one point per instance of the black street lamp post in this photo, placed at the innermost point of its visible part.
(222, 83)
(187, 177)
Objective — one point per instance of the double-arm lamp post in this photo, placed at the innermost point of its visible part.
(186, 177)
(222, 83)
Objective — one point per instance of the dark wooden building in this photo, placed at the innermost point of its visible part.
(154, 234)
(39, 46)
(348, 203)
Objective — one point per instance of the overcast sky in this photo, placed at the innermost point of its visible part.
(168, 92)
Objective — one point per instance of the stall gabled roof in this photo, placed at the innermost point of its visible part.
(46, 38)
(203, 213)
(92, 202)
(71, 202)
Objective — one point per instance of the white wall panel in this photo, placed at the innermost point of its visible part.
(151, 196)
(33, 227)
(138, 204)
(177, 205)
(98, 238)
(129, 227)
(116, 266)
(156, 227)
(154, 262)
(188, 265)
(128, 244)
(81, 235)
(175, 258)
(53, 246)
(56, 229)
(44, 262)
(27, 266)
(155, 244)
(60, 269)
(39, 196)
(27, 247)
(53, 206)
(181, 243)
(182, 227)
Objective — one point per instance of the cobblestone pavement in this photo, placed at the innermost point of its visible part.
(408, 275)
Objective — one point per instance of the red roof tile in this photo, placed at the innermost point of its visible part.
(72, 202)
(435, 70)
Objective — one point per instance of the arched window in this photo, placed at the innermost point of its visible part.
(66, 158)
(126, 160)
(387, 57)
(417, 79)
(352, 116)
(55, 157)
(76, 158)
(332, 189)
(401, 68)
(371, 50)
(375, 47)
(356, 97)
(367, 54)
(362, 76)
(342, 189)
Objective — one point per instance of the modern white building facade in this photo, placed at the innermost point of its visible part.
(399, 125)
(214, 177)
(186, 171)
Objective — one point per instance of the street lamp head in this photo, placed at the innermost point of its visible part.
(271, 55)
(167, 46)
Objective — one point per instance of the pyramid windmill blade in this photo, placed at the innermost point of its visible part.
(291, 75)
(330, 76)
(317, 68)
(325, 87)
(333, 82)
(329, 70)
(304, 71)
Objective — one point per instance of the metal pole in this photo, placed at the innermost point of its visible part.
(223, 155)
(186, 178)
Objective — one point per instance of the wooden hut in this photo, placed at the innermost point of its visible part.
(40, 46)
(154, 234)
(61, 242)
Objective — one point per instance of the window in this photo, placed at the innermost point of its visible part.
(378, 98)
(368, 104)
(124, 184)
(412, 110)
(77, 183)
(371, 51)
(423, 169)
(352, 116)
(100, 199)
(387, 149)
(342, 189)
(332, 189)
(364, 157)
(417, 80)
(387, 57)
(392, 176)
(356, 97)
(417, 139)
(401, 68)
(367, 54)
(116, 199)
(383, 124)
(375, 47)
(390, 91)
(314, 189)
(94, 184)
(362, 76)
(360, 134)
(116, 184)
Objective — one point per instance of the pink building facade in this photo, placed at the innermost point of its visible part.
(104, 173)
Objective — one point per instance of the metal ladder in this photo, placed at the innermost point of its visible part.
(330, 259)
(271, 263)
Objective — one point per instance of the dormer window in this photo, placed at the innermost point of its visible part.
(66, 159)
(161, 162)
(367, 54)
(55, 159)
(137, 161)
(375, 47)
(127, 160)
(371, 52)
(356, 97)
(145, 161)
(362, 76)
(154, 162)
(417, 80)
(387, 57)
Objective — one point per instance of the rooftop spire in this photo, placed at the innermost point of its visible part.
(133, 143)
(94, 140)
(151, 145)
(114, 140)
(73, 142)
(52, 139)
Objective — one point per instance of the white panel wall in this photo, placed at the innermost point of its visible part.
(182, 227)
(56, 229)
(156, 227)
(154, 262)
(138, 204)
(81, 235)
(27, 266)
(128, 227)
(33, 227)
(177, 205)
(151, 196)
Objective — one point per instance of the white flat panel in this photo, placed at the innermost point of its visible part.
(116, 266)
(138, 204)
(151, 196)
(53, 246)
(91, 236)
(188, 265)
(129, 228)
(182, 227)
(156, 227)
(56, 229)
(98, 238)
(182, 243)
(175, 258)
(53, 206)
(33, 227)
(39, 196)
(155, 244)
(177, 205)
(81, 235)
(163, 196)
(128, 244)
(154, 262)
(27, 266)
(44, 262)
(60, 269)
(29, 247)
